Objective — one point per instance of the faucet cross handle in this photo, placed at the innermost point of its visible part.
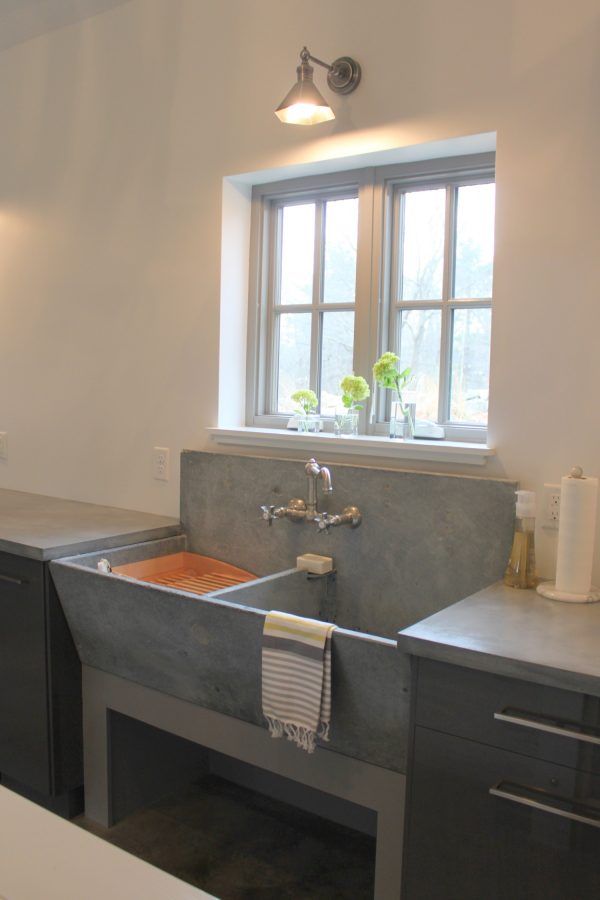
(324, 523)
(268, 514)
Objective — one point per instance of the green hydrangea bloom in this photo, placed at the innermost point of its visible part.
(385, 372)
(307, 401)
(354, 388)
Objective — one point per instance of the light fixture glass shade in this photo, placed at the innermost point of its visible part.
(304, 105)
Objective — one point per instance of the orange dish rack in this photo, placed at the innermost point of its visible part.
(186, 572)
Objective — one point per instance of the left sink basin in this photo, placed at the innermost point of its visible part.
(187, 572)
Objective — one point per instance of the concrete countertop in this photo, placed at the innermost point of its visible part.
(46, 527)
(516, 633)
(42, 855)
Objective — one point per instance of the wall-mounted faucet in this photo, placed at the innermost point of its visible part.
(299, 510)
(314, 471)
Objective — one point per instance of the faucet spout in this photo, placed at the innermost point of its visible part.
(326, 478)
(314, 471)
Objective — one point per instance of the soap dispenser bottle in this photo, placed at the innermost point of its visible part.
(520, 571)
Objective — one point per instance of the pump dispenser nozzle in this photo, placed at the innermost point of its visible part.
(525, 504)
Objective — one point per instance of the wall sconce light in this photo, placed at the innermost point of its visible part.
(304, 105)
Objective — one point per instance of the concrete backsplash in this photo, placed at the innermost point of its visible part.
(425, 542)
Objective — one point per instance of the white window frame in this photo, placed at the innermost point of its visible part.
(376, 306)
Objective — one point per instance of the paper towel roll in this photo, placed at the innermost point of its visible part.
(576, 532)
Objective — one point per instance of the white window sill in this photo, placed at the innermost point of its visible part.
(362, 445)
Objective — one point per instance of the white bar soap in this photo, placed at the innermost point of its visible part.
(312, 562)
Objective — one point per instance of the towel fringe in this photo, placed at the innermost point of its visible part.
(303, 737)
(323, 732)
(275, 727)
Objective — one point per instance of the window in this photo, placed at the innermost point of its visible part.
(313, 297)
(348, 266)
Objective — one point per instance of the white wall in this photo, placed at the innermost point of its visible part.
(117, 133)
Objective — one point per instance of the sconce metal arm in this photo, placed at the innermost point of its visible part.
(305, 56)
(343, 75)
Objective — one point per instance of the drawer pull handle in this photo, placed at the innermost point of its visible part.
(542, 800)
(552, 726)
(11, 579)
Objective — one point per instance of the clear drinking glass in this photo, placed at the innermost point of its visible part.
(309, 424)
(345, 424)
(402, 420)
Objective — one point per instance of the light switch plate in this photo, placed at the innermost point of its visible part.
(3, 445)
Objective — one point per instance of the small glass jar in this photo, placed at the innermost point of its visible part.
(345, 424)
(308, 423)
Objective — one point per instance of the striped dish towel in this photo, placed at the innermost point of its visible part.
(296, 678)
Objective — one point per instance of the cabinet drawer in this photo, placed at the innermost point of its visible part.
(17, 571)
(543, 722)
(487, 823)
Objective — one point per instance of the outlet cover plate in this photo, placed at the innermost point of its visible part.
(161, 463)
(551, 508)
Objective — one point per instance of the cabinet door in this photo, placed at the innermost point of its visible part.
(519, 843)
(24, 753)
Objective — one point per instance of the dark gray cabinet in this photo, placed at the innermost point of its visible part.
(40, 688)
(503, 795)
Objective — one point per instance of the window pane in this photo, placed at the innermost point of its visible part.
(423, 245)
(297, 253)
(474, 241)
(341, 228)
(294, 358)
(470, 376)
(336, 357)
(419, 348)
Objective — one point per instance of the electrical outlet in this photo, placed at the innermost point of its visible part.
(160, 463)
(3, 445)
(551, 512)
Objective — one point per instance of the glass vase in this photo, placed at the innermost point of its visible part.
(346, 424)
(309, 423)
(408, 426)
(402, 420)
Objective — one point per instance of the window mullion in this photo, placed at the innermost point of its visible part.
(446, 326)
(365, 314)
(317, 296)
(483, 303)
(335, 307)
(293, 308)
(418, 304)
(275, 237)
(391, 330)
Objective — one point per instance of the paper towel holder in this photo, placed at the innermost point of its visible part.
(548, 588)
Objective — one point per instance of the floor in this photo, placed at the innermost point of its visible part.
(240, 845)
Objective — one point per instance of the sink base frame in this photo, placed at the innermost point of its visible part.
(332, 773)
